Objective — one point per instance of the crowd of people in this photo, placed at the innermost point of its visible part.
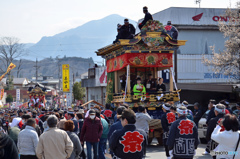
(62, 134)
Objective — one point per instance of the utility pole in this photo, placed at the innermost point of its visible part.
(37, 67)
(198, 2)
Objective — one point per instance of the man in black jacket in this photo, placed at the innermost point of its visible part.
(166, 120)
(219, 111)
(147, 17)
(197, 113)
(127, 31)
(183, 137)
(128, 143)
(211, 114)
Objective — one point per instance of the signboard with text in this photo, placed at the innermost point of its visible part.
(65, 78)
(18, 95)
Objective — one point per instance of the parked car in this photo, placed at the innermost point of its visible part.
(202, 127)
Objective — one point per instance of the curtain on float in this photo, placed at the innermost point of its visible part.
(110, 87)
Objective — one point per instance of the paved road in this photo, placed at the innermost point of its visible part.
(155, 152)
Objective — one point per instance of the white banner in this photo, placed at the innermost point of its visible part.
(17, 95)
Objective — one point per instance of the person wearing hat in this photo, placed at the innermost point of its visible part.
(127, 30)
(171, 30)
(71, 116)
(219, 111)
(166, 120)
(147, 17)
(139, 88)
(197, 113)
(129, 142)
(190, 113)
(183, 136)
(91, 133)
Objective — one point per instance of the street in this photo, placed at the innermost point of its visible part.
(154, 152)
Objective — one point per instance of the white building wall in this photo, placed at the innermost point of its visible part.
(94, 93)
(191, 69)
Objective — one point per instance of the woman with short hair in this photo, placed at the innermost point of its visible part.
(227, 139)
(77, 148)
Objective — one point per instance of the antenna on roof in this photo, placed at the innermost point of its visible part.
(198, 2)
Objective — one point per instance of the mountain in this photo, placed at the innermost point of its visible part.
(50, 66)
(82, 41)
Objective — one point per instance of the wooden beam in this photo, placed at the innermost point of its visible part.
(93, 101)
(116, 81)
(155, 72)
(170, 80)
(128, 80)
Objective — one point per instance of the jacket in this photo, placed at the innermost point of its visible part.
(197, 116)
(137, 92)
(114, 127)
(183, 138)
(142, 120)
(147, 17)
(227, 141)
(75, 122)
(37, 129)
(166, 120)
(105, 128)
(128, 143)
(27, 141)
(77, 147)
(13, 133)
(54, 143)
(211, 115)
(91, 130)
(8, 149)
(212, 124)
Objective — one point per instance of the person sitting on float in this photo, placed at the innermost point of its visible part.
(139, 88)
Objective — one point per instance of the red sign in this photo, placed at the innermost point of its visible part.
(171, 117)
(140, 60)
(108, 113)
(220, 18)
(185, 127)
(132, 142)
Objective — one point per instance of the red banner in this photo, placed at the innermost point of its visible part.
(140, 60)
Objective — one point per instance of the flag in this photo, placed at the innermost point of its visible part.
(10, 67)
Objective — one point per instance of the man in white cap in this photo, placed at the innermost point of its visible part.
(183, 136)
(219, 111)
(166, 120)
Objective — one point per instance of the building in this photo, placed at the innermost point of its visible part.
(200, 27)
(96, 84)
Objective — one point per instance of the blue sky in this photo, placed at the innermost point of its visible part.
(30, 20)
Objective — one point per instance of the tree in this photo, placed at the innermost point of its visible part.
(19, 67)
(10, 49)
(228, 60)
(9, 98)
(9, 83)
(78, 91)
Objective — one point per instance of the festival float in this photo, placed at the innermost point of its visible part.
(36, 97)
(149, 51)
